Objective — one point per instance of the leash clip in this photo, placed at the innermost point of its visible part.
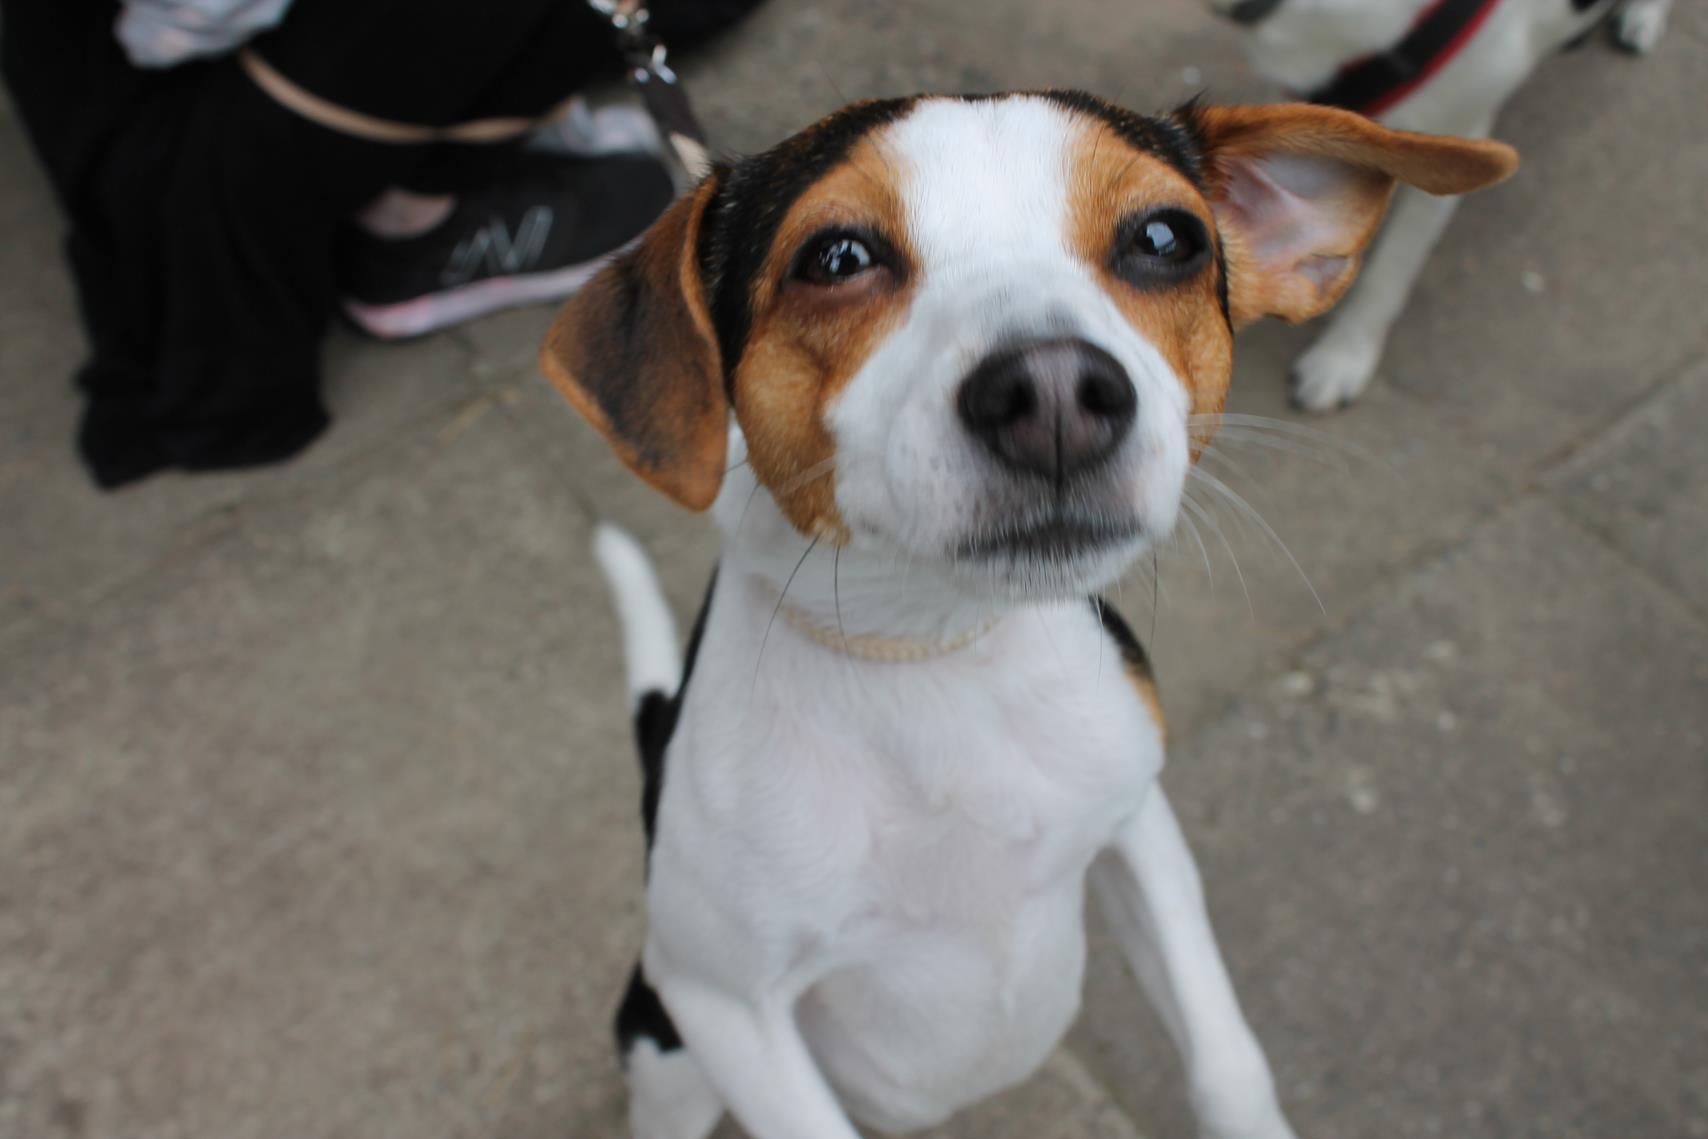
(657, 83)
(641, 50)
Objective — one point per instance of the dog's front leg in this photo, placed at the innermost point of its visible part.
(1148, 886)
(754, 1056)
(1340, 364)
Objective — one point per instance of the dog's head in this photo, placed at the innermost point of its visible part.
(974, 332)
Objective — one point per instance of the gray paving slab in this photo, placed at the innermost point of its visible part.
(327, 832)
(69, 540)
(1644, 486)
(1455, 858)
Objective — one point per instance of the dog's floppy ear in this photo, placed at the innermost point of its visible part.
(635, 353)
(1298, 191)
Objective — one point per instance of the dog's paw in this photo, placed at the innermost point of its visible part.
(1266, 1124)
(1234, 1098)
(1333, 372)
(1640, 25)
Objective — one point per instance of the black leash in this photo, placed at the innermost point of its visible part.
(657, 83)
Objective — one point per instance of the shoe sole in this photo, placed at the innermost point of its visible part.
(407, 319)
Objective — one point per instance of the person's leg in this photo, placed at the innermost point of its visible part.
(107, 135)
(255, 198)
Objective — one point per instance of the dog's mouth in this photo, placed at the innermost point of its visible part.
(1050, 540)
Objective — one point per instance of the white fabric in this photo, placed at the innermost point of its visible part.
(165, 33)
(588, 132)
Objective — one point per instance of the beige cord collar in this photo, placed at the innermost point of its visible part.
(878, 647)
(372, 128)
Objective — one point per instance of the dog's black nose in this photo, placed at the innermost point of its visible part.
(1049, 407)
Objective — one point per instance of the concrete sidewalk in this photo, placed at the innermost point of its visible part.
(316, 796)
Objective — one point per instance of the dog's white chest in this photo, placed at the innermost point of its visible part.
(960, 956)
(910, 841)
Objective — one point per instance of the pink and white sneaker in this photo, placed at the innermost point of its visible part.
(535, 239)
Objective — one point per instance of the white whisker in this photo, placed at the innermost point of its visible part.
(1257, 423)
(1192, 528)
(1251, 512)
(1282, 444)
(1210, 521)
(1211, 452)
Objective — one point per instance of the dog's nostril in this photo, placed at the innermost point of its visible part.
(1049, 407)
(1001, 398)
(1107, 394)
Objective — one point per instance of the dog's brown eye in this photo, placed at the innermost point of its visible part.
(1162, 246)
(833, 258)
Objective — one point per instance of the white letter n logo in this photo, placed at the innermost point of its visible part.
(495, 250)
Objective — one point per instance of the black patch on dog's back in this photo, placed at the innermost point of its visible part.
(655, 722)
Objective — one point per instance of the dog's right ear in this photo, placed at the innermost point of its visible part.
(635, 353)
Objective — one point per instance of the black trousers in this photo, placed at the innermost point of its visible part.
(202, 215)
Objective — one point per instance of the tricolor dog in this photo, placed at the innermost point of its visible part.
(938, 367)
(1445, 66)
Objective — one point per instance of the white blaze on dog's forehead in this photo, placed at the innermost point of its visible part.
(984, 179)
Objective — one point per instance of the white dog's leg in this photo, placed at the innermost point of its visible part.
(1148, 885)
(1641, 23)
(754, 1056)
(1335, 369)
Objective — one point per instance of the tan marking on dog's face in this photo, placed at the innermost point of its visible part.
(808, 340)
(1112, 182)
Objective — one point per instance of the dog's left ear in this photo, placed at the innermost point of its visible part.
(634, 352)
(1298, 191)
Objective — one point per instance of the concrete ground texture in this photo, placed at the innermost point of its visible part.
(317, 801)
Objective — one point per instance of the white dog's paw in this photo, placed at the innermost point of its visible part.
(1333, 372)
(1264, 1123)
(1277, 1129)
(1640, 25)
(1235, 1099)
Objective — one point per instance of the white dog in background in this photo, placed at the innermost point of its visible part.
(1441, 66)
